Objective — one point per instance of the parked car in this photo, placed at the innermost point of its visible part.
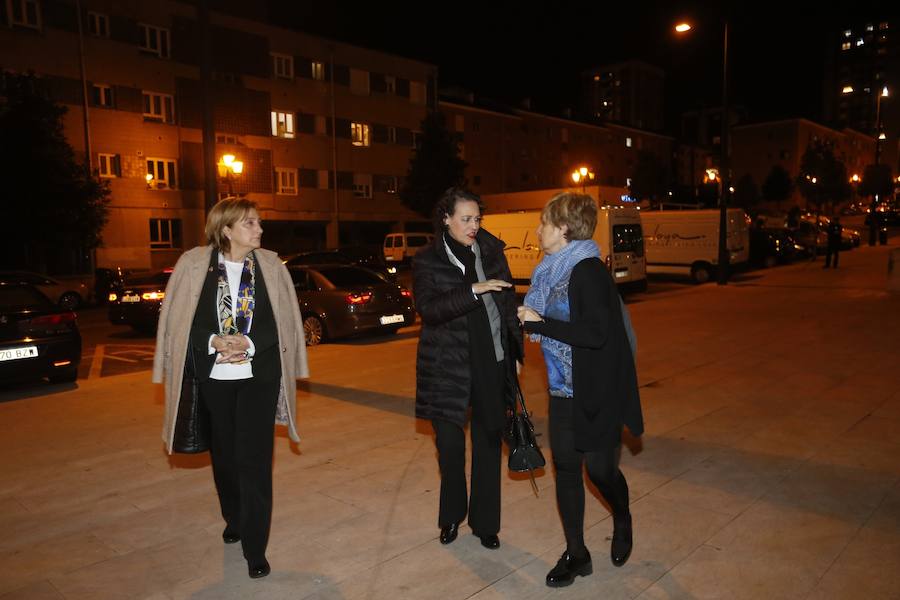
(349, 255)
(849, 236)
(771, 246)
(401, 247)
(37, 337)
(138, 299)
(68, 292)
(343, 300)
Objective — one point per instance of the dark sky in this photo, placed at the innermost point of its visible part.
(510, 51)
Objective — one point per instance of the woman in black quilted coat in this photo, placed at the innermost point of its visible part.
(469, 343)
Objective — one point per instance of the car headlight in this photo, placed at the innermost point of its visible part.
(392, 270)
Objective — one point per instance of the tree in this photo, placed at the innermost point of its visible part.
(434, 167)
(778, 185)
(648, 180)
(822, 177)
(877, 180)
(746, 192)
(57, 209)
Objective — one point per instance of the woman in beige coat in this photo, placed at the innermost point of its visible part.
(233, 305)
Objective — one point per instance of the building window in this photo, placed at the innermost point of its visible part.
(359, 134)
(416, 139)
(162, 174)
(102, 95)
(109, 165)
(359, 82)
(154, 40)
(417, 92)
(322, 180)
(286, 181)
(224, 138)
(321, 124)
(25, 13)
(98, 24)
(848, 33)
(283, 124)
(391, 134)
(318, 71)
(362, 185)
(845, 45)
(283, 65)
(159, 107)
(390, 84)
(391, 184)
(165, 234)
(628, 142)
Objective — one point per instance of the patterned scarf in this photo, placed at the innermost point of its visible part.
(231, 320)
(554, 268)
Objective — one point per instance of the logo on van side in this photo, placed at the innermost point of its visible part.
(664, 239)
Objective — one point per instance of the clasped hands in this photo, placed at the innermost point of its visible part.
(231, 348)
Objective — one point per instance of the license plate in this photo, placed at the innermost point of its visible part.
(132, 298)
(18, 353)
(387, 320)
(621, 274)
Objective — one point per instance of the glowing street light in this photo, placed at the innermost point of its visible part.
(229, 166)
(582, 175)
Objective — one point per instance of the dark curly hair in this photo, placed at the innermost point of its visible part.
(446, 206)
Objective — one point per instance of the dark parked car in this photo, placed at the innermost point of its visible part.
(770, 246)
(137, 300)
(360, 256)
(37, 337)
(69, 292)
(343, 300)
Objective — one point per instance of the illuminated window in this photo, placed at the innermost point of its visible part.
(847, 33)
(318, 71)
(859, 42)
(162, 174)
(628, 142)
(282, 124)
(359, 134)
(845, 46)
(847, 89)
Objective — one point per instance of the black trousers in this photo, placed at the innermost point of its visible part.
(242, 413)
(450, 439)
(829, 251)
(602, 468)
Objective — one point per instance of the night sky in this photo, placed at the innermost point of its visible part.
(510, 51)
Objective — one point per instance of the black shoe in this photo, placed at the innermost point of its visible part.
(568, 568)
(230, 537)
(449, 533)
(491, 542)
(258, 569)
(621, 541)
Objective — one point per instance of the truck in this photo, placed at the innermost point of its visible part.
(618, 234)
(686, 242)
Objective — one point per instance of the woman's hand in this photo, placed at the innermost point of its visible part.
(491, 285)
(526, 313)
(231, 348)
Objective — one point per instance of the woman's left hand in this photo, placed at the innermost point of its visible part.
(235, 351)
(528, 314)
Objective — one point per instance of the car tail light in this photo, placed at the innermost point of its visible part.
(58, 319)
(362, 298)
(405, 293)
(609, 262)
(153, 295)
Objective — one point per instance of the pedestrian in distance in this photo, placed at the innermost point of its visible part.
(574, 309)
(833, 248)
(469, 343)
(231, 309)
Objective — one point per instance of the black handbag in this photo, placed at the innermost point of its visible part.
(524, 453)
(192, 422)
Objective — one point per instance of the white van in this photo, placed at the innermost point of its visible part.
(686, 242)
(618, 234)
(401, 247)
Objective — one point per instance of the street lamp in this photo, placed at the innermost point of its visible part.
(228, 168)
(879, 135)
(582, 175)
(723, 166)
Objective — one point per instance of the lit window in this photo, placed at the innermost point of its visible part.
(282, 124)
(109, 165)
(98, 24)
(845, 46)
(847, 33)
(870, 27)
(628, 142)
(286, 181)
(859, 42)
(362, 185)
(318, 71)
(159, 107)
(359, 134)
(848, 89)
(154, 40)
(283, 66)
(162, 174)
(24, 13)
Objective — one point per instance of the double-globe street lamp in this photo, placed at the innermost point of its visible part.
(582, 175)
(229, 167)
(724, 168)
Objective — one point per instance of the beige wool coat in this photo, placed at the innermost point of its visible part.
(177, 314)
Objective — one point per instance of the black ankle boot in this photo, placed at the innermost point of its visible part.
(568, 567)
(621, 541)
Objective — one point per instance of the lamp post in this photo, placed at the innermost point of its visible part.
(228, 168)
(879, 135)
(724, 167)
(582, 175)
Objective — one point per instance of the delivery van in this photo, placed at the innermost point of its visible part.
(401, 247)
(686, 242)
(618, 234)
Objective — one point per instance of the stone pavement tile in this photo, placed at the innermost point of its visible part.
(792, 436)
(660, 460)
(665, 410)
(305, 513)
(724, 426)
(727, 482)
(867, 568)
(11, 512)
(186, 485)
(43, 590)
(381, 490)
(28, 564)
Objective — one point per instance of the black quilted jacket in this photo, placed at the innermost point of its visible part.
(443, 299)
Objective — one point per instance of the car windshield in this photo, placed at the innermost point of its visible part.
(20, 297)
(161, 277)
(414, 241)
(350, 277)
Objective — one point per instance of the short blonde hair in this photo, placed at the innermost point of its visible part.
(578, 212)
(224, 214)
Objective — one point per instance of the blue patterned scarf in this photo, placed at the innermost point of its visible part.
(554, 268)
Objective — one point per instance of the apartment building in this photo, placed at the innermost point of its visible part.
(323, 130)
